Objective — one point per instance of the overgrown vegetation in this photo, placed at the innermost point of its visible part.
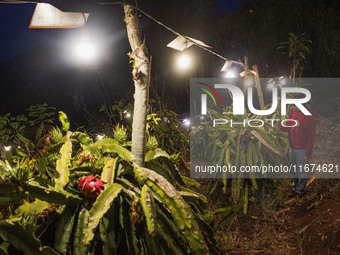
(84, 192)
(238, 146)
(129, 209)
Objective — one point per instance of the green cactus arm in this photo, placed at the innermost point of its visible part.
(64, 121)
(108, 145)
(129, 227)
(158, 168)
(29, 209)
(78, 246)
(107, 228)
(153, 154)
(148, 205)
(63, 164)
(12, 197)
(108, 173)
(52, 196)
(22, 239)
(64, 230)
(177, 206)
(99, 208)
(192, 182)
(192, 194)
(82, 138)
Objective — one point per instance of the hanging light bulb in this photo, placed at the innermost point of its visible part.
(283, 81)
(270, 84)
(230, 73)
(184, 61)
(8, 148)
(248, 82)
(85, 50)
(186, 122)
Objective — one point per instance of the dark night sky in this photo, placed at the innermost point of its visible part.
(17, 38)
(39, 65)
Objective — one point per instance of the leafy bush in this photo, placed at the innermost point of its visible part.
(238, 146)
(131, 209)
(163, 125)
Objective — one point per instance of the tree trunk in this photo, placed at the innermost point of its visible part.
(141, 76)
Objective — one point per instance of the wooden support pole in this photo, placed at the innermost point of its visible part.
(258, 87)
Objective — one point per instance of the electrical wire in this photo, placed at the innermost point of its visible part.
(173, 31)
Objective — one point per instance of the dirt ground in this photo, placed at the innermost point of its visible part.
(280, 224)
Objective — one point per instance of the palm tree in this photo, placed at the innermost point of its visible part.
(297, 47)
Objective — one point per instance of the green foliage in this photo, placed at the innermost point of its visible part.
(152, 143)
(165, 133)
(13, 197)
(64, 230)
(120, 135)
(28, 136)
(78, 246)
(175, 158)
(29, 209)
(169, 132)
(148, 205)
(63, 163)
(119, 113)
(99, 208)
(22, 169)
(140, 210)
(40, 119)
(238, 146)
(65, 125)
(11, 127)
(155, 153)
(56, 135)
(22, 239)
(243, 31)
(162, 127)
(108, 145)
(50, 195)
(40, 113)
(297, 47)
(109, 170)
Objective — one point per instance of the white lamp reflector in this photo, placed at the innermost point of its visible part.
(47, 16)
(181, 43)
(226, 66)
